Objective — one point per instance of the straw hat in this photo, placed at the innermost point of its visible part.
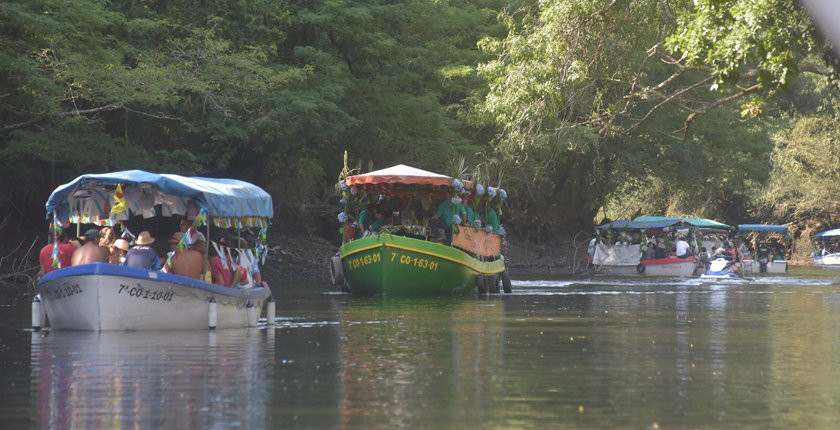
(144, 238)
(121, 244)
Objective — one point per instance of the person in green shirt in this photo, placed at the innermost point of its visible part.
(363, 221)
(470, 215)
(442, 220)
(492, 220)
(377, 224)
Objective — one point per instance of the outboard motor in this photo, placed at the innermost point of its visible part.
(763, 257)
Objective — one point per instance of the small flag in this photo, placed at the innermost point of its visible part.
(119, 201)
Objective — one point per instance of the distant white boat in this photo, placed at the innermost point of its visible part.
(102, 296)
(627, 259)
(764, 259)
(823, 257)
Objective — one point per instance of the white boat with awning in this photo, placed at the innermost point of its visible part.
(103, 296)
(827, 249)
(621, 259)
(768, 255)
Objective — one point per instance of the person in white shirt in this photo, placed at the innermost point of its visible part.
(682, 248)
(719, 250)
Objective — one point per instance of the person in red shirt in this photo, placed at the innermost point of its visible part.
(221, 271)
(65, 254)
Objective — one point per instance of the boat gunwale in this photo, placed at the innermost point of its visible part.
(383, 242)
(107, 269)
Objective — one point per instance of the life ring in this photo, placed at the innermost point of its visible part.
(506, 282)
(336, 270)
(640, 268)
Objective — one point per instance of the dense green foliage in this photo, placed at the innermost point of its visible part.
(579, 108)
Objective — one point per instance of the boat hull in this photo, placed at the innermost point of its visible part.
(397, 265)
(101, 296)
(828, 261)
(680, 267)
(773, 266)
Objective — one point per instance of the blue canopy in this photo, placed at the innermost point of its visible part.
(697, 222)
(639, 224)
(763, 227)
(229, 198)
(827, 233)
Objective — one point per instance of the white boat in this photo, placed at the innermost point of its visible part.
(682, 267)
(822, 242)
(627, 259)
(763, 259)
(103, 296)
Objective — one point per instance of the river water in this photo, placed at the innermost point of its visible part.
(596, 352)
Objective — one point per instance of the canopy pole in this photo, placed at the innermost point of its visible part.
(207, 254)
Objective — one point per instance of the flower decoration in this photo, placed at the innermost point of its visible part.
(342, 217)
(353, 191)
(456, 200)
(479, 190)
(342, 202)
(342, 185)
(502, 193)
(456, 219)
(457, 185)
(477, 223)
(502, 231)
(491, 192)
(488, 229)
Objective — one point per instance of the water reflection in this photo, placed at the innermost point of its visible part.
(420, 362)
(573, 353)
(176, 379)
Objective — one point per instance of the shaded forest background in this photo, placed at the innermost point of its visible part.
(581, 109)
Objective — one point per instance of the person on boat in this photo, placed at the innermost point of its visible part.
(659, 251)
(442, 220)
(248, 260)
(719, 250)
(121, 246)
(90, 252)
(142, 255)
(190, 261)
(379, 221)
(737, 257)
(622, 240)
(221, 272)
(683, 249)
(184, 225)
(363, 221)
(704, 259)
(650, 252)
(491, 219)
(107, 239)
(65, 253)
(172, 254)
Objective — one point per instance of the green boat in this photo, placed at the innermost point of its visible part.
(400, 259)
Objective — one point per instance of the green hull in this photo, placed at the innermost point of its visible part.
(397, 265)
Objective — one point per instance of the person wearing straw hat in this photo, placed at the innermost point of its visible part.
(119, 251)
(143, 256)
